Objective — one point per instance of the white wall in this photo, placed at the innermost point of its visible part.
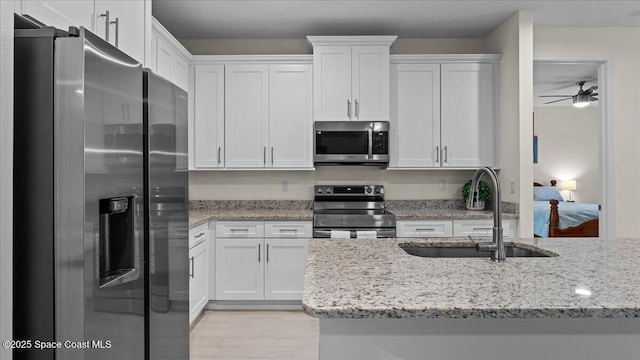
(623, 46)
(568, 140)
(514, 39)
(6, 173)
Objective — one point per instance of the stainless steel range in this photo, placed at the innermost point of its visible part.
(353, 208)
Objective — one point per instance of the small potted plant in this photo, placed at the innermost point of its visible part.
(484, 192)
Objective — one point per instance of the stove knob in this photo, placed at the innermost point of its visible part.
(329, 190)
(367, 189)
(378, 190)
(319, 190)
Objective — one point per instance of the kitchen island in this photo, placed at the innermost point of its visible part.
(375, 301)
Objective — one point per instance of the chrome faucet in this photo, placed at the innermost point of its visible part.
(497, 246)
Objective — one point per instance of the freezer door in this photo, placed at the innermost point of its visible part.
(166, 123)
(99, 190)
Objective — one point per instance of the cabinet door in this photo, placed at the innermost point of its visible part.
(370, 83)
(467, 115)
(209, 116)
(61, 13)
(239, 269)
(284, 268)
(332, 83)
(165, 56)
(180, 72)
(127, 25)
(290, 119)
(415, 116)
(246, 115)
(199, 280)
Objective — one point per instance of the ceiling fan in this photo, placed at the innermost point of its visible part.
(581, 99)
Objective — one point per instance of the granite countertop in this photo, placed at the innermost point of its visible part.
(358, 278)
(439, 214)
(197, 217)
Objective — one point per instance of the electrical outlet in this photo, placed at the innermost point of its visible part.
(513, 187)
(285, 186)
(442, 185)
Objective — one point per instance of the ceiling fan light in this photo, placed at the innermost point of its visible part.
(580, 100)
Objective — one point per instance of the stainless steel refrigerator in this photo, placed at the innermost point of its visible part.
(100, 209)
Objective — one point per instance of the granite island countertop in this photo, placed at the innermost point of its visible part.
(358, 278)
(445, 214)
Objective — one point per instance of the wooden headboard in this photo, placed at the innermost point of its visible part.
(553, 183)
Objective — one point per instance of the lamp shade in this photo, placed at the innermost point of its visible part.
(568, 185)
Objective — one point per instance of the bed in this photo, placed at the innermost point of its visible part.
(554, 217)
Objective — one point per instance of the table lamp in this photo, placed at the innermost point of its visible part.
(569, 185)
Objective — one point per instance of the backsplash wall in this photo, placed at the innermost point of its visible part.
(268, 185)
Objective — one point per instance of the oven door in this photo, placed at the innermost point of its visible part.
(380, 232)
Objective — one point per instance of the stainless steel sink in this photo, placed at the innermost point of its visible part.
(468, 252)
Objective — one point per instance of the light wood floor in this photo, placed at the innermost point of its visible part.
(239, 335)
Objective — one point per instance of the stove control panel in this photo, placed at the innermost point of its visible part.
(348, 190)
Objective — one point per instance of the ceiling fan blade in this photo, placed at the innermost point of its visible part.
(555, 101)
(555, 95)
(593, 94)
(592, 88)
(593, 98)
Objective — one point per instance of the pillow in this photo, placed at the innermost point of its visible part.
(546, 193)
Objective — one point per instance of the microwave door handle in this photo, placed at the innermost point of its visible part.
(370, 131)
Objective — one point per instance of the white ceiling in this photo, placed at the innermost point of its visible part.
(560, 79)
(238, 19)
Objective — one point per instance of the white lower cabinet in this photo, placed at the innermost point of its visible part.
(453, 228)
(198, 271)
(252, 267)
(483, 228)
(424, 228)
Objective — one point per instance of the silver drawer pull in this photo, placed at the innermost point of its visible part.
(290, 230)
(199, 235)
(426, 229)
(245, 230)
(483, 229)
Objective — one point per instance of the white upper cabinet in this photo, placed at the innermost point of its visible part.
(246, 115)
(208, 132)
(467, 127)
(127, 25)
(442, 114)
(124, 24)
(415, 115)
(169, 58)
(351, 77)
(290, 116)
(60, 13)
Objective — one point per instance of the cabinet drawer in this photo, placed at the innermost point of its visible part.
(288, 229)
(424, 228)
(198, 234)
(481, 228)
(240, 229)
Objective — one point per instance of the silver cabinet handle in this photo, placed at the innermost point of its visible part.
(245, 230)
(272, 156)
(349, 108)
(259, 250)
(370, 133)
(446, 156)
(357, 109)
(437, 154)
(426, 229)
(267, 252)
(289, 230)
(107, 23)
(117, 23)
(219, 149)
(264, 156)
(199, 236)
(193, 269)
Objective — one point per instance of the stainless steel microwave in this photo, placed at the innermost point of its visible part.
(351, 143)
